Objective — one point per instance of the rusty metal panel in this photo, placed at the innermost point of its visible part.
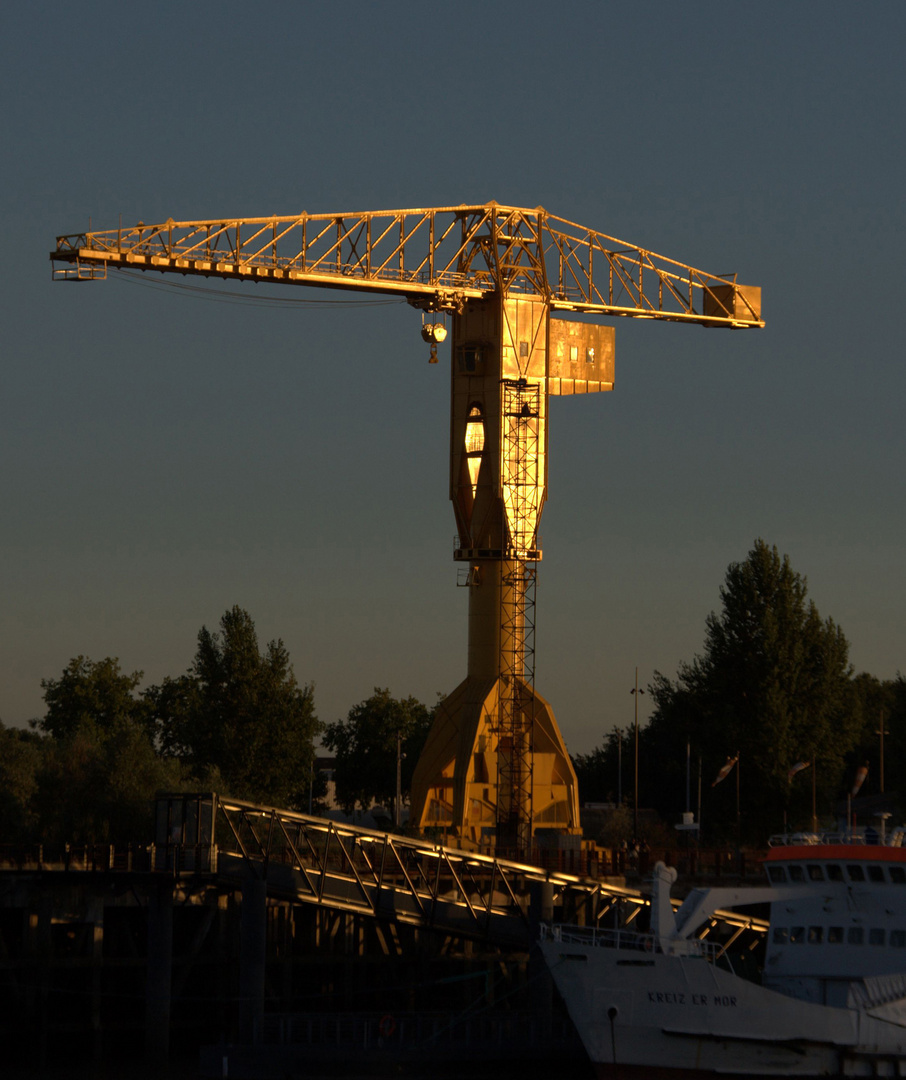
(581, 357)
(741, 302)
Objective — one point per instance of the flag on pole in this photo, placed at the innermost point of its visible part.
(725, 771)
(798, 767)
(861, 773)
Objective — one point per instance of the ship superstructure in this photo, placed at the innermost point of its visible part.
(830, 1000)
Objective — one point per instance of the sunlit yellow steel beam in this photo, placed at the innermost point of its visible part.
(421, 255)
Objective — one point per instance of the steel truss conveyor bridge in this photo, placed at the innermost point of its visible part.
(312, 860)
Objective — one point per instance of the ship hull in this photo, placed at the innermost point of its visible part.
(654, 1015)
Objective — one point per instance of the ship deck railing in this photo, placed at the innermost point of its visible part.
(629, 941)
(860, 836)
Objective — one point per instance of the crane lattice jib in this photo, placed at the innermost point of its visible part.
(435, 258)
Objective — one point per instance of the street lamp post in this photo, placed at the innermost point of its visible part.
(398, 803)
(635, 693)
(881, 732)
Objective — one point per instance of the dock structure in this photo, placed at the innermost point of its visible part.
(240, 913)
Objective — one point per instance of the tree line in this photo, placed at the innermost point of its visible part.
(238, 722)
(772, 693)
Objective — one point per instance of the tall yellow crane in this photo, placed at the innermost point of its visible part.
(494, 768)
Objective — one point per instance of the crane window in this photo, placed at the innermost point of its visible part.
(470, 359)
(475, 431)
(474, 445)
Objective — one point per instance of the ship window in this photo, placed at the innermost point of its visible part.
(815, 935)
(834, 872)
(797, 935)
(876, 873)
(856, 873)
(781, 935)
(856, 935)
(876, 935)
(897, 874)
(898, 939)
(835, 935)
(815, 873)
(796, 873)
(776, 873)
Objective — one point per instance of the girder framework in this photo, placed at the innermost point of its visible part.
(514, 725)
(523, 487)
(435, 257)
(314, 860)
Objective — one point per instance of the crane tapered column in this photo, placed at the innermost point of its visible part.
(495, 763)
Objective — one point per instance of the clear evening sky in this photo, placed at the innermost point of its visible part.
(166, 454)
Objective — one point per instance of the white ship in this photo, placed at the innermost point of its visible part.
(830, 1000)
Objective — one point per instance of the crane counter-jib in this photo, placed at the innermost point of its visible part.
(436, 259)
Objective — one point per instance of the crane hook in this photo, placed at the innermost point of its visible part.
(433, 332)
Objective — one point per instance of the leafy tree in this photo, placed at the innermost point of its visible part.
(99, 770)
(241, 712)
(93, 691)
(773, 684)
(99, 787)
(21, 755)
(880, 702)
(597, 772)
(365, 745)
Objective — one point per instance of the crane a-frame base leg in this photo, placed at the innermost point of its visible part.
(455, 789)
